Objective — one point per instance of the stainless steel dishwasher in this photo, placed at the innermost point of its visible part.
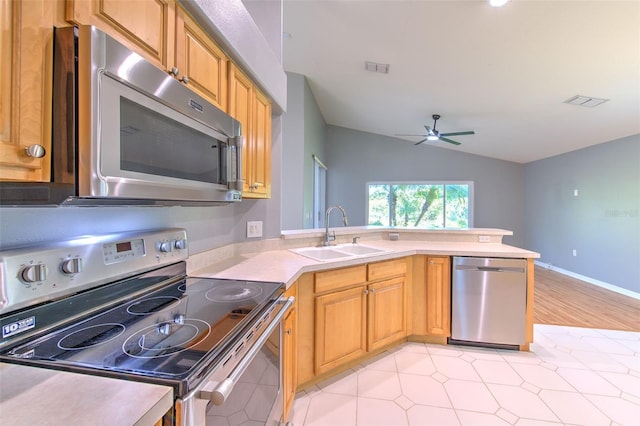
(488, 301)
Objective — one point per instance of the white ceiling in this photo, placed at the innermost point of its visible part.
(502, 72)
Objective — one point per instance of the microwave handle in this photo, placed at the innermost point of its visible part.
(238, 143)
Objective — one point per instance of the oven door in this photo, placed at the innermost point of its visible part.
(246, 386)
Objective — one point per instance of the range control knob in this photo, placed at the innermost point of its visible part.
(33, 273)
(165, 247)
(71, 266)
(180, 244)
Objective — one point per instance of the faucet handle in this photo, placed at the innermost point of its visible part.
(355, 240)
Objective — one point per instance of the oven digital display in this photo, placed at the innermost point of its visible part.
(123, 251)
(120, 247)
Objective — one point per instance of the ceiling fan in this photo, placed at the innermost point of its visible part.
(434, 135)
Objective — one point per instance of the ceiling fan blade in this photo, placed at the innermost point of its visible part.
(411, 135)
(448, 140)
(418, 143)
(470, 132)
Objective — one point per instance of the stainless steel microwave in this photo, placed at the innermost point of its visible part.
(126, 132)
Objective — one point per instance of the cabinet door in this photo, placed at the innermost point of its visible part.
(439, 296)
(260, 171)
(26, 33)
(339, 328)
(386, 313)
(240, 108)
(289, 365)
(200, 62)
(147, 27)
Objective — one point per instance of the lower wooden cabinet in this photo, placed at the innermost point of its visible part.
(386, 319)
(438, 277)
(340, 333)
(289, 353)
(354, 316)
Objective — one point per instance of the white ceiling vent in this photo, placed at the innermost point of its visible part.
(375, 67)
(585, 101)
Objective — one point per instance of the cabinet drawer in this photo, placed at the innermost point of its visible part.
(386, 269)
(339, 278)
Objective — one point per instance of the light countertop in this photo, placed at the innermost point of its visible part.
(38, 396)
(276, 262)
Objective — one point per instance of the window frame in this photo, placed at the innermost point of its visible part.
(428, 182)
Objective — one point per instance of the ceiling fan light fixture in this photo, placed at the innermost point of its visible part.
(498, 3)
(432, 137)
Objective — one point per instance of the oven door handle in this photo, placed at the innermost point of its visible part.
(223, 389)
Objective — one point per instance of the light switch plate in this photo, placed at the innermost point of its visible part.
(254, 229)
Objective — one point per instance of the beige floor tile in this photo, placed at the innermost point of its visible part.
(521, 402)
(424, 390)
(420, 415)
(497, 372)
(331, 410)
(470, 418)
(374, 412)
(414, 363)
(573, 408)
(620, 411)
(378, 384)
(455, 368)
(587, 381)
(542, 377)
(470, 396)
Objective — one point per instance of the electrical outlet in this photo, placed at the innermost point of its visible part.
(254, 229)
(575, 252)
(484, 238)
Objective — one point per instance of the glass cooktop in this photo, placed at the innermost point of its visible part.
(163, 334)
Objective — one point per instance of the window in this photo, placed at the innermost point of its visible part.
(421, 204)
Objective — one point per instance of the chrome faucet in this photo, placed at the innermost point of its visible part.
(328, 238)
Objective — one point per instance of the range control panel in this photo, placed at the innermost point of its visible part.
(32, 275)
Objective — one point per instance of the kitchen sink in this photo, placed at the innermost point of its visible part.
(343, 251)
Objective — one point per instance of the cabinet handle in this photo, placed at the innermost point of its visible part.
(373, 290)
(185, 79)
(288, 331)
(173, 71)
(366, 292)
(35, 151)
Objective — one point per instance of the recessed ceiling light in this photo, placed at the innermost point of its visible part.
(498, 3)
(585, 101)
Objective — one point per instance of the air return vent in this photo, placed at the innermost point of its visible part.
(585, 101)
(375, 67)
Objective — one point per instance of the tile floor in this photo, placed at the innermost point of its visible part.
(571, 376)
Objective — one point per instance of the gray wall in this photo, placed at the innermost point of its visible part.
(303, 136)
(602, 223)
(355, 158)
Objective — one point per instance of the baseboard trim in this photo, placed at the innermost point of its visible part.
(589, 280)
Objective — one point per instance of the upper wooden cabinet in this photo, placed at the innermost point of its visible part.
(249, 106)
(26, 32)
(146, 27)
(199, 62)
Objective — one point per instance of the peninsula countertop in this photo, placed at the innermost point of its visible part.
(277, 262)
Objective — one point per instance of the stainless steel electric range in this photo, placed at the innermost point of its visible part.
(121, 305)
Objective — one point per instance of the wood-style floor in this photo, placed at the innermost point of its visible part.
(563, 300)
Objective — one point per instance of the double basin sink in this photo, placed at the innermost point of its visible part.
(338, 252)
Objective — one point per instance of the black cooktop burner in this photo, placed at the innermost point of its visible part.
(165, 333)
(165, 339)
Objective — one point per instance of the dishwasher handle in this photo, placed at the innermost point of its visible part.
(488, 268)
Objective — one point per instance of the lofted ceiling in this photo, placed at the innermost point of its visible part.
(502, 72)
